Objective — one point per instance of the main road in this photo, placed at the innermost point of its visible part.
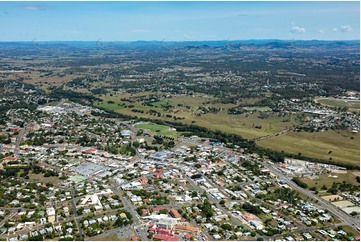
(18, 141)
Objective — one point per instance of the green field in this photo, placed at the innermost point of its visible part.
(248, 125)
(339, 103)
(318, 144)
(158, 129)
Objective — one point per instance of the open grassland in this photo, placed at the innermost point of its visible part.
(318, 145)
(248, 125)
(353, 105)
(326, 180)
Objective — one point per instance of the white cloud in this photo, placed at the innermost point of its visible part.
(343, 28)
(298, 30)
(321, 31)
(346, 28)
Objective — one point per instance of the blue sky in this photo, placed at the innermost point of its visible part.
(183, 21)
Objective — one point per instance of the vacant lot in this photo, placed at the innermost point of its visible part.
(332, 197)
(343, 204)
(40, 177)
(326, 180)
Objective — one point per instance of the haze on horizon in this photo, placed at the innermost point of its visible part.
(178, 21)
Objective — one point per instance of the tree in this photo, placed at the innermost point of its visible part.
(226, 227)
(353, 213)
(136, 144)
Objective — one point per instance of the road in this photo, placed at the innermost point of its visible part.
(18, 141)
(128, 206)
(76, 218)
(353, 222)
(7, 218)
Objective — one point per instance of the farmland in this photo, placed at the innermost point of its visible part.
(345, 149)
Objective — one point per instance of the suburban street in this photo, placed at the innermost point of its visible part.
(128, 206)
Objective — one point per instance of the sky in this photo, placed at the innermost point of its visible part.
(178, 21)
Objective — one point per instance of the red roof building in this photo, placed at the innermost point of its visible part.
(174, 213)
(157, 209)
(91, 150)
(145, 211)
(164, 237)
(9, 158)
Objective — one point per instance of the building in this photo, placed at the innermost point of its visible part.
(164, 237)
(159, 156)
(126, 133)
(187, 228)
(175, 214)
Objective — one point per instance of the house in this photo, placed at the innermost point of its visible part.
(69, 230)
(217, 236)
(143, 180)
(86, 223)
(51, 214)
(145, 211)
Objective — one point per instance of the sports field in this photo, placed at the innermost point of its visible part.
(353, 105)
(158, 129)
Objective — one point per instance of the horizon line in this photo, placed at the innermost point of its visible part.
(6, 41)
